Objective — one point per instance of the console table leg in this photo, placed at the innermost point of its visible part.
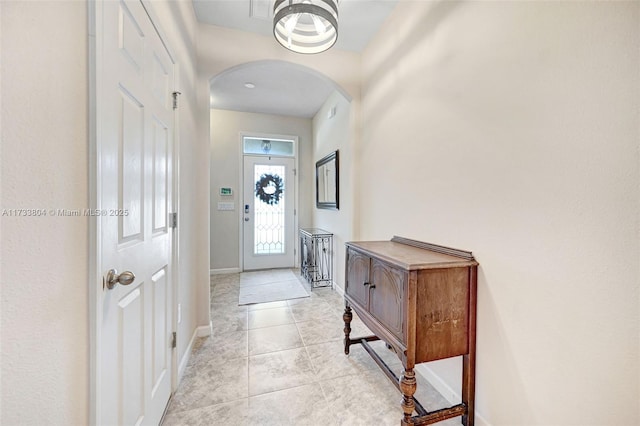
(408, 388)
(347, 317)
(468, 388)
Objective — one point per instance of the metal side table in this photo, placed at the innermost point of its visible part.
(316, 257)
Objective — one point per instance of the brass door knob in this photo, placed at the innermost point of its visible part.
(114, 278)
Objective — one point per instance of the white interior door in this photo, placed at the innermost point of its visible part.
(268, 212)
(135, 145)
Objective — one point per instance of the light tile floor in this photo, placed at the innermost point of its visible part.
(283, 363)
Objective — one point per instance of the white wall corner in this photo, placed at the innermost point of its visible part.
(186, 356)
(446, 391)
(338, 289)
(205, 330)
(202, 331)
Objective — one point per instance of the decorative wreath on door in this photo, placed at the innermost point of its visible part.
(269, 189)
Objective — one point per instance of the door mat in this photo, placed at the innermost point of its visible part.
(270, 286)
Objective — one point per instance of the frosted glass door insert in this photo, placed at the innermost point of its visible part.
(268, 212)
(269, 209)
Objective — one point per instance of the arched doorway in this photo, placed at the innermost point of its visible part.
(271, 99)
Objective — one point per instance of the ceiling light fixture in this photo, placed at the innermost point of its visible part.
(249, 85)
(306, 26)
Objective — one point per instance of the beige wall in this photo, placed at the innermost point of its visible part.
(330, 134)
(44, 260)
(226, 155)
(511, 129)
(45, 158)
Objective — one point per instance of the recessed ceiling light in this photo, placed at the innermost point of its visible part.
(250, 85)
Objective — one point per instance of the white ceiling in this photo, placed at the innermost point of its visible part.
(280, 87)
(295, 91)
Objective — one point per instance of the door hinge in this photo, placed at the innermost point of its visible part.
(173, 220)
(175, 99)
(295, 172)
(174, 339)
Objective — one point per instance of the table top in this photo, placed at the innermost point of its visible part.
(411, 257)
(315, 231)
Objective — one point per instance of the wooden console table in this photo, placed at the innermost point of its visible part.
(420, 299)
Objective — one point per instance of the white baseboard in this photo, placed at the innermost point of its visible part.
(205, 330)
(339, 289)
(446, 391)
(186, 356)
(224, 271)
(201, 331)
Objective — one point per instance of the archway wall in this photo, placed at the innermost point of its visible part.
(221, 50)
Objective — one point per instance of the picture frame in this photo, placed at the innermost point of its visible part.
(328, 182)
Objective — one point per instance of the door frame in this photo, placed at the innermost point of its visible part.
(296, 207)
(96, 269)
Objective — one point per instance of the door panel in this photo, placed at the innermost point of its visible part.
(269, 223)
(357, 276)
(386, 296)
(131, 346)
(130, 165)
(160, 175)
(130, 38)
(160, 360)
(134, 151)
(160, 81)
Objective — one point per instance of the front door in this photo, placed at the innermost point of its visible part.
(268, 211)
(134, 83)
